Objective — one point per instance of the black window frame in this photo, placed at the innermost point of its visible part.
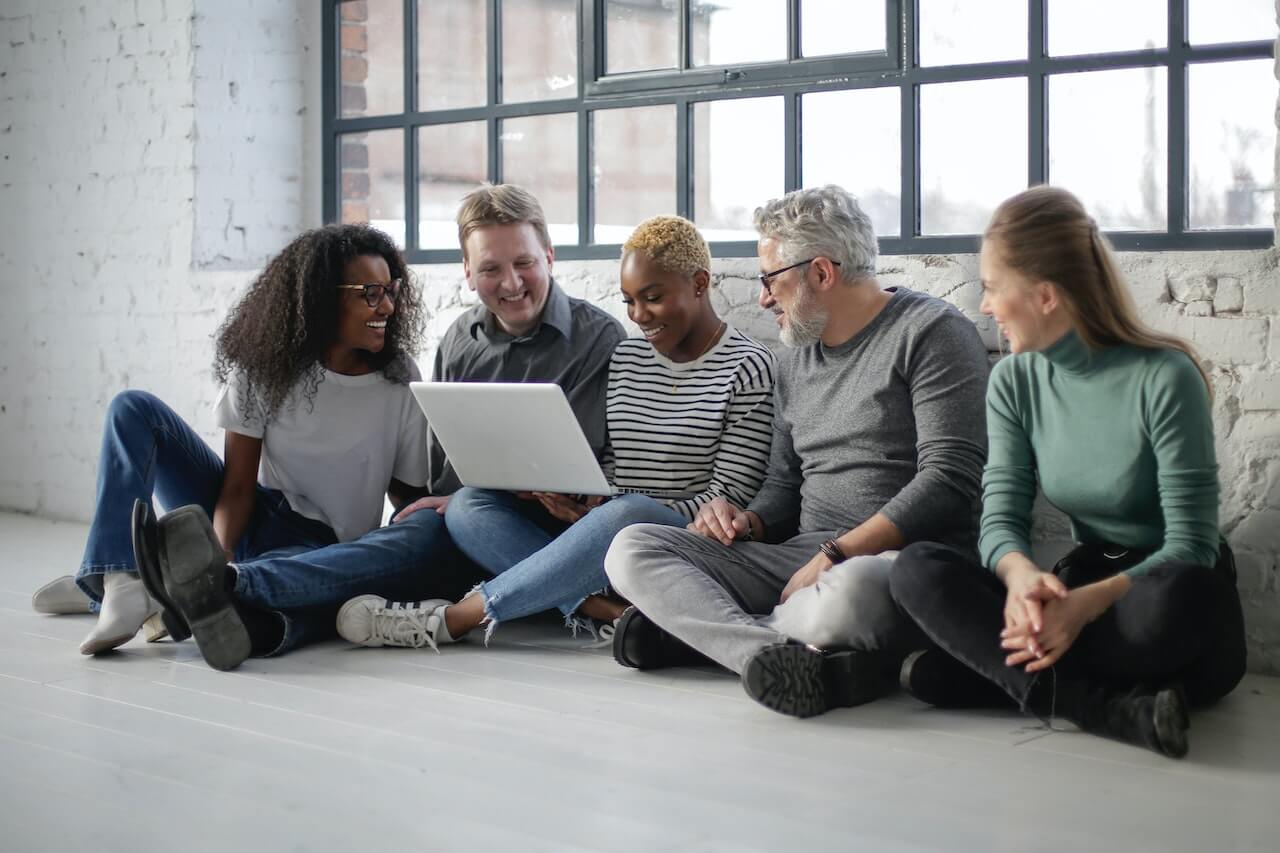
(898, 66)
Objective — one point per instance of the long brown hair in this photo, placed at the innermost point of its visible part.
(1045, 234)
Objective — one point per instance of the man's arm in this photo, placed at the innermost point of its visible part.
(947, 378)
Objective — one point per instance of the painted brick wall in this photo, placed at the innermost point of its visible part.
(153, 154)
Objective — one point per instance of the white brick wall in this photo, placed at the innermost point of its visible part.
(153, 153)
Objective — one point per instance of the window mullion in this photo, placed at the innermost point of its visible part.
(909, 224)
(1037, 95)
(410, 132)
(1176, 181)
(684, 157)
(791, 146)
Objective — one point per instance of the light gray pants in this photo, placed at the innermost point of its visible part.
(710, 595)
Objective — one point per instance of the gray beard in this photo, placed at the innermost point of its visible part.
(806, 321)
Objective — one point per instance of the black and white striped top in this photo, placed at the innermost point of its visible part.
(698, 429)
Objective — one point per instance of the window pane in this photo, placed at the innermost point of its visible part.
(973, 152)
(540, 153)
(539, 50)
(853, 139)
(841, 26)
(453, 160)
(641, 36)
(734, 32)
(1214, 21)
(635, 168)
(1130, 25)
(1108, 144)
(955, 32)
(371, 180)
(451, 54)
(371, 66)
(737, 164)
(1231, 119)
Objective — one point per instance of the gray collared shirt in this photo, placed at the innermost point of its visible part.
(570, 346)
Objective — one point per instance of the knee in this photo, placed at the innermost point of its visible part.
(856, 600)
(467, 500)
(623, 562)
(918, 571)
(131, 406)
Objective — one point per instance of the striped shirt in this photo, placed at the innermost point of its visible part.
(694, 430)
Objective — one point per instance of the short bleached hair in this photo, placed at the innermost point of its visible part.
(672, 243)
(823, 221)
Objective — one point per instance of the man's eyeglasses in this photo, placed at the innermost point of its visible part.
(766, 276)
(373, 293)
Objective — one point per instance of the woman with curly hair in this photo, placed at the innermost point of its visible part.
(319, 425)
(689, 413)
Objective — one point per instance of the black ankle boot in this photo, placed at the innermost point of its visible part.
(1155, 719)
(935, 677)
(802, 681)
(194, 573)
(640, 644)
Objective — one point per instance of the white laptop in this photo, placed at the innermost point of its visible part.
(513, 436)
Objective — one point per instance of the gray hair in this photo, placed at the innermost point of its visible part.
(824, 221)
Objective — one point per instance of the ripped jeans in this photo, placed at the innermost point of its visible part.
(535, 567)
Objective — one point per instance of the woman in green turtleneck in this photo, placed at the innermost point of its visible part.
(1112, 421)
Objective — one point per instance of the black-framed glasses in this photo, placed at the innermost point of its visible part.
(765, 276)
(373, 293)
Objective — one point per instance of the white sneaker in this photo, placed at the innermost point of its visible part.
(60, 596)
(125, 607)
(371, 620)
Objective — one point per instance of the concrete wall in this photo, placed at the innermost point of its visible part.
(154, 153)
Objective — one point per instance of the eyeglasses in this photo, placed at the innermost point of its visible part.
(765, 276)
(373, 293)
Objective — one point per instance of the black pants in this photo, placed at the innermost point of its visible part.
(1178, 623)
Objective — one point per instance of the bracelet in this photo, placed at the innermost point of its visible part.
(831, 550)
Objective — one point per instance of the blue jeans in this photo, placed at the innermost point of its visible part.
(286, 563)
(535, 569)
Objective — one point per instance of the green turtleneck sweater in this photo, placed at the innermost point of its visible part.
(1121, 440)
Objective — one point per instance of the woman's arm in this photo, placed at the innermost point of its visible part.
(231, 513)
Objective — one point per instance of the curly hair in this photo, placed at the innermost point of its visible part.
(279, 332)
(672, 243)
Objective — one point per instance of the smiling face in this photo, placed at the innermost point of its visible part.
(1028, 314)
(801, 318)
(361, 328)
(667, 306)
(510, 270)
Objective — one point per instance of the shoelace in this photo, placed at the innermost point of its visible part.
(406, 624)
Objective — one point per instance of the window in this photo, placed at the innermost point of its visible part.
(931, 111)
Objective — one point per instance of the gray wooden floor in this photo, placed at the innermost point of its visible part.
(540, 743)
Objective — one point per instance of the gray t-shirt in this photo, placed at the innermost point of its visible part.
(334, 455)
(891, 421)
(570, 346)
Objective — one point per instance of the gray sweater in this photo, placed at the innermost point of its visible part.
(891, 421)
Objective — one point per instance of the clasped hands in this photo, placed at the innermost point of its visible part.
(1042, 618)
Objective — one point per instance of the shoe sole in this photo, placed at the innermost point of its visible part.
(800, 682)
(142, 528)
(62, 606)
(195, 584)
(1171, 723)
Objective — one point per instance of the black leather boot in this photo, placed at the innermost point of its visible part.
(1153, 718)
